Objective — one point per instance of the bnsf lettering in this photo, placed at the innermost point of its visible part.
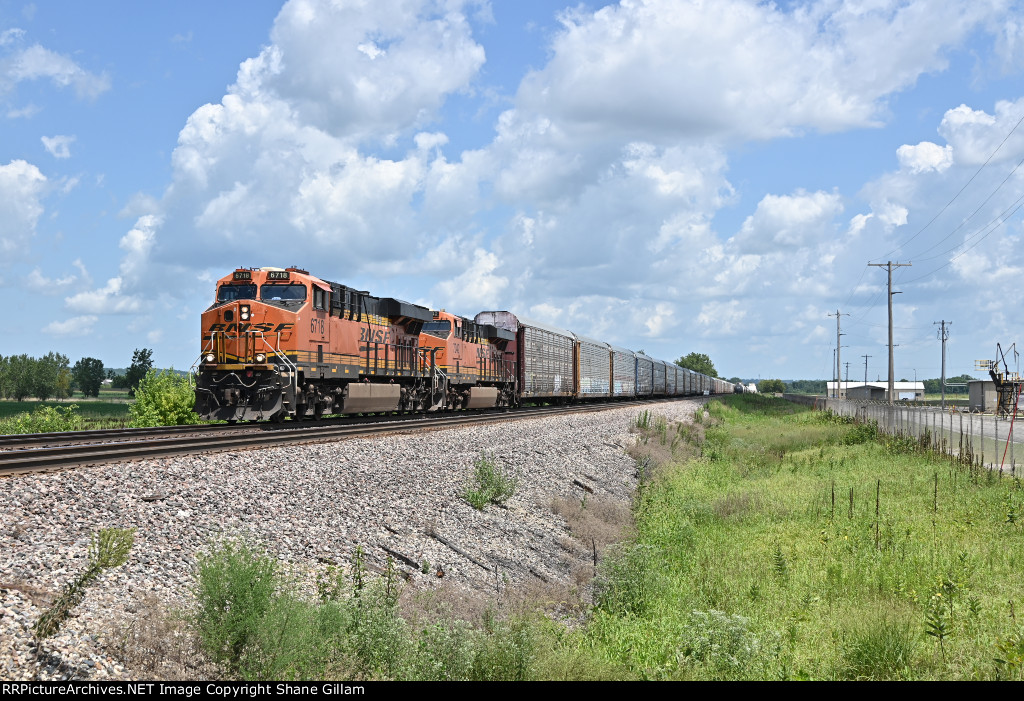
(375, 335)
(265, 327)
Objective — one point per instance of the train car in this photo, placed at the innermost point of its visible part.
(593, 368)
(670, 382)
(623, 372)
(644, 375)
(476, 361)
(545, 355)
(660, 378)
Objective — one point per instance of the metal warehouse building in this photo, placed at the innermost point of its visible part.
(913, 391)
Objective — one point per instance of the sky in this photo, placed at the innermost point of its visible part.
(668, 175)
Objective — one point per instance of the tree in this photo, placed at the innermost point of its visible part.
(21, 371)
(163, 399)
(142, 363)
(88, 374)
(735, 380)
(698, 362)
(63, 388)
(5, 378)
(770, 386)
(47, 372)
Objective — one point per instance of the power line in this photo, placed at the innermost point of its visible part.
(959, 192)
(995, 226)
(970, 216)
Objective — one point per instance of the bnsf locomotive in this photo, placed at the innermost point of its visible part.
(279, 343)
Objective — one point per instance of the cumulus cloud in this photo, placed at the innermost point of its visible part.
(721, 318)
(925, 156)
(110, 299)
(975, 135)
(22, 187)
(37, 282)
(476, 288)
(36, 62)
(58, 146)
(789, 221)
(739, 68)
(282, 156)
(75, 326)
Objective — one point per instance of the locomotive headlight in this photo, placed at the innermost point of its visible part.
(261, 357)
(210, 357)
(244, 312)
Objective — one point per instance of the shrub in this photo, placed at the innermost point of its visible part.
(490, 484)
(627, 581)
(724, 643)
(234, 593)
(255, 623)
(882, 650)
(163, 399)
(45, 419)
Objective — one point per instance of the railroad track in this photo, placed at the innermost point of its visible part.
(61, 451)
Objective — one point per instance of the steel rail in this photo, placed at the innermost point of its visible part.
(58, 455)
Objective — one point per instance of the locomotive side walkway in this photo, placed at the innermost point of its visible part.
(312, 506)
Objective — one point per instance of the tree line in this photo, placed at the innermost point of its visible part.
(53, 377)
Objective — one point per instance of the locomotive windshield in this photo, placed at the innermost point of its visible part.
(283, 293)
(441, 329)
(228, 293)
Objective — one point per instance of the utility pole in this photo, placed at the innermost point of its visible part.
(847, 387)
(890, 266)
(866, 370)
(943, 336)
(839, 365)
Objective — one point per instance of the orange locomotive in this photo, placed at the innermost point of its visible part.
(281, 342)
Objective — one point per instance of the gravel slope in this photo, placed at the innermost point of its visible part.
(311, 505)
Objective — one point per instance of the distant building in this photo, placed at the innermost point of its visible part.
(983, 395)
(912, 391)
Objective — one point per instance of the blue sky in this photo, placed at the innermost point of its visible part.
(666, 175)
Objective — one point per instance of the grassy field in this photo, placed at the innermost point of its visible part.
(95, 413)
(770, 542)
(800, 547)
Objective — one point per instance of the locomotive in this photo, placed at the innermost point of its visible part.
(281, 343)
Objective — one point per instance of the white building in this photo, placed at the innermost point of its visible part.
(913, 391)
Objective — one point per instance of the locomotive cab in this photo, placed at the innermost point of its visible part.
(243, 370)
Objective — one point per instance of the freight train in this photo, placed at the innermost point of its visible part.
(281, 343)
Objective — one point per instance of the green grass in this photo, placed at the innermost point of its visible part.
(46, 417)
(88, 409)
(253, 622)
(795, 545)
(746, 566)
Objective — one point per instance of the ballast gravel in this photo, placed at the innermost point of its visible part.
(311, 506)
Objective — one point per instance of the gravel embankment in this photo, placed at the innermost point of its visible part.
(310, 505)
